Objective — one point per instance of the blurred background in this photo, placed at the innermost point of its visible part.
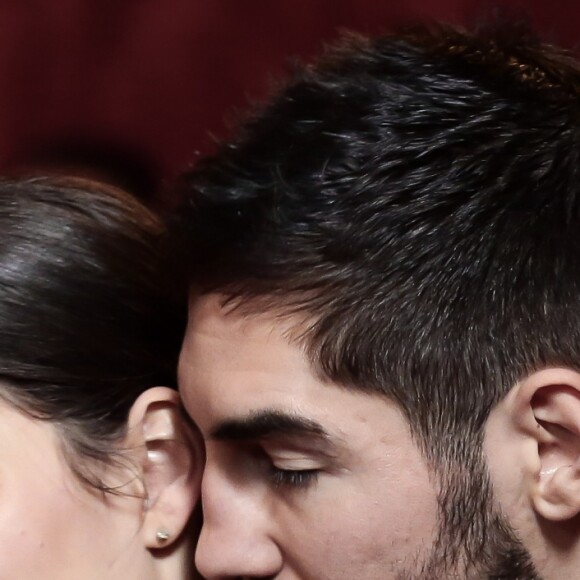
(133, 91)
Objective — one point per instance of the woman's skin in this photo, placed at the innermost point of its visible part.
(53, 526)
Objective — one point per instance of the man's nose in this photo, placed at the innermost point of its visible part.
(235, 540)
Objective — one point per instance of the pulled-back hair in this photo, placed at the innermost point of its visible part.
(90, 312)
(416, 200)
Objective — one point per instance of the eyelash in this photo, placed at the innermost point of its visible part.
(293, 478)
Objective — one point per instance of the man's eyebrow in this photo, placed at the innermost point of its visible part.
(264, 424)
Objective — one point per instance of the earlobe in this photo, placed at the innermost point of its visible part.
(554, 399)
(558, 494)
(171, 464)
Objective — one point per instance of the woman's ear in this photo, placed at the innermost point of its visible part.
(170, 465)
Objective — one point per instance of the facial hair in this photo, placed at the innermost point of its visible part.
(475, 540)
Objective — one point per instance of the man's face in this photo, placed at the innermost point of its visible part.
(304, 479)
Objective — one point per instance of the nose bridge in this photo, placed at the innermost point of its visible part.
(236, 537)
(226, 498)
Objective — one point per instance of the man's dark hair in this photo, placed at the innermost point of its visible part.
(416, 199)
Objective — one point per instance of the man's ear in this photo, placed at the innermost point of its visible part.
(170, 462)
(548, 403)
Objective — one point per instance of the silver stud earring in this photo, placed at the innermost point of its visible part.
(162, 535)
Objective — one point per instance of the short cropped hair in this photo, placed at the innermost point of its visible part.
(415, 198)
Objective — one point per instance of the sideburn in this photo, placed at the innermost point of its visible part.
(475, 540)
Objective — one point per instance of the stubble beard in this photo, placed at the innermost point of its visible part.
(475, 540)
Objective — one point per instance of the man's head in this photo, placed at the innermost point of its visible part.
(387, 306)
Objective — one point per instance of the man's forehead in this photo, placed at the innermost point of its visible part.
(233, 362)
(235, 366)
(208, 309)
(260, 315)
(214, 315)
(220, 334)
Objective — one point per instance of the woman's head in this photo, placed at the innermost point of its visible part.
(91, 317)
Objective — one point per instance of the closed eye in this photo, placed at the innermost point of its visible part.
(296, 478)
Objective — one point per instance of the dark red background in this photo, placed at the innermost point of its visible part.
(161, 76)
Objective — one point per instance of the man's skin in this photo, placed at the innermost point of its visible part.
(318, 485)
(383, 353)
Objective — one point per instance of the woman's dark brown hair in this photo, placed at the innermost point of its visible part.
(90, 312)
